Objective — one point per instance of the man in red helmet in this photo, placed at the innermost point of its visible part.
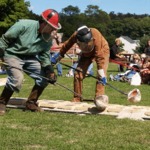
(25, 46)
(93, 47)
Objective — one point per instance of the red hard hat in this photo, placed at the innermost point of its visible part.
(52, 18)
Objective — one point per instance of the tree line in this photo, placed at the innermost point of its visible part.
(110, 25)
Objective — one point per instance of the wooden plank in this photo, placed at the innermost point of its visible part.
(119, 111)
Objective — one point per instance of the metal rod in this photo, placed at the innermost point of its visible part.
(56, 83)
(69, 56)
(94, 78)
(68, 89)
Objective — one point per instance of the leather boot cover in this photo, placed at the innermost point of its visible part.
(78, 83)
(100, 89)
(33, 97)
(4, 98)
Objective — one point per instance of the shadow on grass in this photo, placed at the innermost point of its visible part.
(94, 110)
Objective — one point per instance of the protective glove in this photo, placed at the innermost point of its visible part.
(50, 74)
(57, 57)
(102, 78)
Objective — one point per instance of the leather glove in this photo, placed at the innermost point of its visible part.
(50, 74)
(102, 78)
(57, 57)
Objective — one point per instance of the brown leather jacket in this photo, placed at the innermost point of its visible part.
(100, 51)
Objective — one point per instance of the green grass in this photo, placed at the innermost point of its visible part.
(63, 131)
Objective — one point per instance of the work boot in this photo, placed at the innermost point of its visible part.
(32, 106)
(2, 109)
(4, 98)
(32, 99)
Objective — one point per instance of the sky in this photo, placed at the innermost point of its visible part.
(117, 6)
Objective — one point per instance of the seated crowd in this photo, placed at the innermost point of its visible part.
(139, 67)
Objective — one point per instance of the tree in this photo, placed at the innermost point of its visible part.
(69, 19)
(11, 11)
(97, 18)
(143, 43)
(91, 10)
(70, 10)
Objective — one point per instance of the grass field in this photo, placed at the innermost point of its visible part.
(60, 131)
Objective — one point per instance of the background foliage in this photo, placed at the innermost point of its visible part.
(110, 25)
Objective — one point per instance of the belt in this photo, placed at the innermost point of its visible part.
(21, 56)
(26, 56)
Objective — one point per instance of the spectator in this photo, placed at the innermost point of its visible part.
(145, 72)
(127, 75)
(2, 67)
(136, 60)
(147, 48)
(71, 71)
(90, 70)
(115, 54)
(56, 44)
(58, 65)
(143, 59)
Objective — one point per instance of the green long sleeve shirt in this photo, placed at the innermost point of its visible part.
(23, 39)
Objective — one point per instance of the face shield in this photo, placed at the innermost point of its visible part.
(85, 40)
(86, 47)
(48, 33)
